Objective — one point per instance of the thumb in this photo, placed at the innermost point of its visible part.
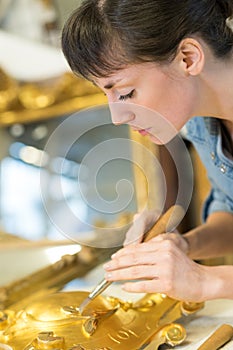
(135, 233)
(141, 223)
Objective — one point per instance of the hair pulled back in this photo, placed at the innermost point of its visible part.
(102, 36)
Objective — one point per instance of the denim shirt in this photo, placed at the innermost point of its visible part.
(205, 134)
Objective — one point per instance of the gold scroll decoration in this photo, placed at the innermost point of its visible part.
(54, 322)
(22, 102)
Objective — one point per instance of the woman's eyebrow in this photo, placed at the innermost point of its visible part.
(110, 85)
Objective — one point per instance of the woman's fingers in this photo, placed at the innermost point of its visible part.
(131, 249)
(134, 259)
(141, 262)
(133, 273)
(158, 266)
(176, 237)
(144, 287)
(152, 246)
(184, 283)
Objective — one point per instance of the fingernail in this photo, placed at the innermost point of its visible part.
(108, 276)
(113, 255)
(106, 266)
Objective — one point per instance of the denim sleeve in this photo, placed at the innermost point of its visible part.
(216, 201)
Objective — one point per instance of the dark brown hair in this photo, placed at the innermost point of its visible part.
(103, 36)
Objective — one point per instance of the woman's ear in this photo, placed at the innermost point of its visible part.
(191, 56)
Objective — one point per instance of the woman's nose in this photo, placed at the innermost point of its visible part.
(120, 113)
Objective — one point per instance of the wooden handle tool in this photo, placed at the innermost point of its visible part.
(166, 223)
(220, 337)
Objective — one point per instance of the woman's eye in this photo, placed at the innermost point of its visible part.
(125, 97)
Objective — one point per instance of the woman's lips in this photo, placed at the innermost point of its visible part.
(144, 132)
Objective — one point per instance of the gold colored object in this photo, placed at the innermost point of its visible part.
(149, 191)
(172, 334)
(166, 223)
(54, 322)
(26, 102)
(8, 91)
(221, 336)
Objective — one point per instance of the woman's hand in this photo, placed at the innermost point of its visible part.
(143, 222)
(160, 266)
(179, 240)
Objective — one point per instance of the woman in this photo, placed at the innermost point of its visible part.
(175, 58)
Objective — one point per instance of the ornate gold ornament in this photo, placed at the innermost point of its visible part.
(55, 322)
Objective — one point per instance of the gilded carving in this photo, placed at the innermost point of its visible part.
(47, 340)
(55, 322)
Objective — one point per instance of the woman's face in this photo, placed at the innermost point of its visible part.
(154, 100)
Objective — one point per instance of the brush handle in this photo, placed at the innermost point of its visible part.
(166, 223)
(99, 289)
(220, 337)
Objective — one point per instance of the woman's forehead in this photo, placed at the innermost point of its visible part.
(129, 72)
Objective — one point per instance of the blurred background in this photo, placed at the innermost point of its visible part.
(37, 93)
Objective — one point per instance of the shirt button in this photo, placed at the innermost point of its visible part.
(223, 169)
(212, 155)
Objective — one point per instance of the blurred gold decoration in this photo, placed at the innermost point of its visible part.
(26, 102)
(54, 322)
(149, 192)
(8, 91)
(124, 219)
